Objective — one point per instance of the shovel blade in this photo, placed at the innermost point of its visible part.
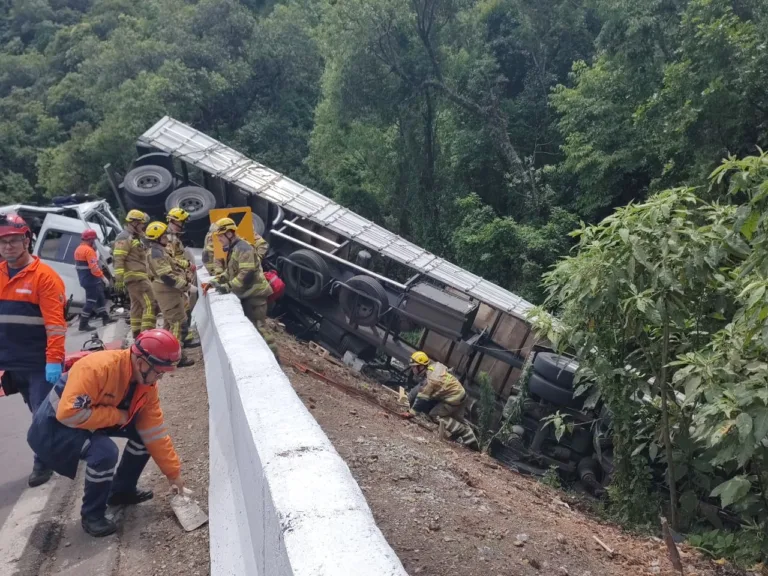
(188, 512)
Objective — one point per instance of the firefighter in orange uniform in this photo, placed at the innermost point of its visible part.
(92, 281)
(110, 393)
(32, 324)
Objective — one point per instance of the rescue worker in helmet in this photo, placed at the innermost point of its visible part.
(244, 277)
(441, 396)
(130, 256)
(32, 324)
(92, 281)
(215, 266)
(170, 285)
(177, 218)
(111, 393)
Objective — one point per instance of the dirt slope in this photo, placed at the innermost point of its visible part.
(446, 510)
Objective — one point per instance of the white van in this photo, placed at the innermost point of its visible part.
(56, 234)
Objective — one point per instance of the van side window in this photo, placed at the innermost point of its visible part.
(59, 246)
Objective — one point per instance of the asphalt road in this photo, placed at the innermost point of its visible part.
(15, 455)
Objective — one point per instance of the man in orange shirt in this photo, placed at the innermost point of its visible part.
(110, 393)
(32, 324)
(92, 281)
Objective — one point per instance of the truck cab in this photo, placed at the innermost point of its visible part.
(56, 234)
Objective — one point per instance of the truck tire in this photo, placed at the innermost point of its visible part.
(258, 225)
(360, 310)
(194, 199)
(147, 186)
(558, 369)
(552, 393)
(299, 281)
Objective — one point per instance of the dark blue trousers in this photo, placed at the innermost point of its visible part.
(103, 476)
(95, 300)
(33, 388)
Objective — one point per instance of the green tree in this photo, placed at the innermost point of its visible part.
(645, 287)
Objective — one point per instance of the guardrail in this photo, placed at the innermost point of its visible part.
(282, 502)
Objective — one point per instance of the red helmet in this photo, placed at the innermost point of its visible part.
(158, 347)
(13, 225)
(88, 234)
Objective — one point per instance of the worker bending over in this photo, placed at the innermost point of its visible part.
(244, 276)
(92, 281)
(442, 397)
(170, 285)
(32, 324)
(130, 257)
(112, 393)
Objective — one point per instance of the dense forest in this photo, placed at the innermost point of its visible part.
(486, 131)
(483, 130)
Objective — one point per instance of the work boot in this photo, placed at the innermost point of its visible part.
(84, 326)
(98, 526)
(185, 361)
(129, 498)
(192, 342)
(39, 476)
(107, 319)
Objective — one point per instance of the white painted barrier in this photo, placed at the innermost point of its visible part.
(282, 501)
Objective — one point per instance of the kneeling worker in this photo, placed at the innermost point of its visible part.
(110, 393)
(442, 397)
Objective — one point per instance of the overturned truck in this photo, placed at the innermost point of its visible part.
(356, 287)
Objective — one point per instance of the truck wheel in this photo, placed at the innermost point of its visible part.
(552, 393)
(146, 186)
(559, 370)
(258, 225)
(194, 199)
(302, 282)
(359, 309)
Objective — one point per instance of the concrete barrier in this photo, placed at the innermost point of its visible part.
(282, 501)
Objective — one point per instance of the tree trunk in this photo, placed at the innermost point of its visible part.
(665, 432)
(497, 124)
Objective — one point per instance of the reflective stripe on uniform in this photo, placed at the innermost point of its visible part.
(79, 418)
(53, 398)
(136, 449)
(154, 433)
(92, 475)
(17, 319)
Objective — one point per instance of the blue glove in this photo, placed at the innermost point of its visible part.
(52, 372)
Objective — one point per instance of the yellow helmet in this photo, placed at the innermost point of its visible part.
(225, 225)
(419, 359)
(136, 216)
(155, 230)
(178, 214)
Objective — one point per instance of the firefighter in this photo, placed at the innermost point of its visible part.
(131, 271)
(442, 397)
(111, 393)
(92, 280)
(177, 218)
(170, 285)
(244, 277)
(215, 266)
(32, 324)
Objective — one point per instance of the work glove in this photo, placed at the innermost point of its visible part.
(52, 372)
(407, 415)
(221, 287)
(119, 285)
